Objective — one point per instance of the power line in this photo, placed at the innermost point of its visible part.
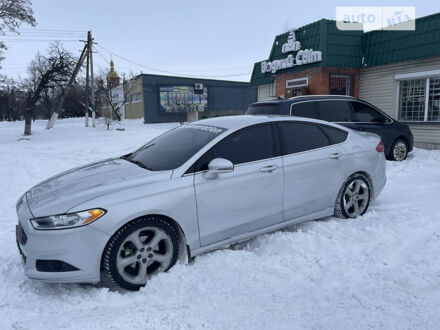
(52, 30)
(39, 40)
(40, 35)
(170, 72)
(103, 57)
(217, 69)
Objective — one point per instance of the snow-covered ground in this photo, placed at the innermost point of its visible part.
(379, 271)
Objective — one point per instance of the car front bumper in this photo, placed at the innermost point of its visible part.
(63, 255)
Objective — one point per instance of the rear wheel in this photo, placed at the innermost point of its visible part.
(354, 197)
(399, 150)
(139, 250)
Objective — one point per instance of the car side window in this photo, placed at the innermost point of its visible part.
(246, 145)
(305, 109)
(334, 111)
(363, 113)
(335, 135)
(298, 137)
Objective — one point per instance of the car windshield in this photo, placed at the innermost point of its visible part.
(264, 109)
(172, 149)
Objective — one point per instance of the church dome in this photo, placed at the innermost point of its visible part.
(113, 78)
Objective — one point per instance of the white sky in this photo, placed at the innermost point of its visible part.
(192, 37)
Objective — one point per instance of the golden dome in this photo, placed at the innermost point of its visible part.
(112, 73)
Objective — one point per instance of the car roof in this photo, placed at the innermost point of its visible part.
(235, 122)
(305, 98)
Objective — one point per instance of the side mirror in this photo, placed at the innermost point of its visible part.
(218, 165)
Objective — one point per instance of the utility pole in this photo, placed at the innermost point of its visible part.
(86, 52)
(87, 101)
(90, 43)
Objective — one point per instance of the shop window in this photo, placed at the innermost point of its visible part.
(412, 100)
(419, 99)
(296, 83)
(434, 100)
(341, 84)
(136, 97)
(272, 90)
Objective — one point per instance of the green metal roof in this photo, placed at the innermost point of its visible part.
(257, 78)
(385, 47)
(355, 49)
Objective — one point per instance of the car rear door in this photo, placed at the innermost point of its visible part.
(334, 111)
(246, 199)
(313, 167)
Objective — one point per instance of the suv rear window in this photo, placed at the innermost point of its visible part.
(264, 109)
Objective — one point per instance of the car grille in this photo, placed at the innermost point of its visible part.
(21, 235)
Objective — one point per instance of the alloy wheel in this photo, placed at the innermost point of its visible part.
(356, 198)
(399, 151)
(143, 253)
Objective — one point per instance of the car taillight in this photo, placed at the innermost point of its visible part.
(380, 147)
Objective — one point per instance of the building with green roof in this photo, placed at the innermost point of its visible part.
(397, 71)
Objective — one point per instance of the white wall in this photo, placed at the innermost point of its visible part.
(378, 86)
(266, 92)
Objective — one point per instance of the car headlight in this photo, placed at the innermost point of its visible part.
(68, 220)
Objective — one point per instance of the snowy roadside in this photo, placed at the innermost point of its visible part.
(379, 271)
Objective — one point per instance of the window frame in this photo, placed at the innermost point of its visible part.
(283, 147)
(409, 77)
(370, 106)
(348, 76)
(276, 140)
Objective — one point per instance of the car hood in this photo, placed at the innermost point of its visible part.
(64, 191)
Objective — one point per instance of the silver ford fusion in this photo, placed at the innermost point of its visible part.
(191, 190)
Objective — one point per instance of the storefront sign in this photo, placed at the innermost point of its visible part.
(302, 57)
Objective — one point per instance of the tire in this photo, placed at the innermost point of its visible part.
(141, 248)
(354, 197)
(399, 150)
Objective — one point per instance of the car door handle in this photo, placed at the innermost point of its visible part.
(336, 155)
(269, 169)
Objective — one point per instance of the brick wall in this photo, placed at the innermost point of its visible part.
(318, 80)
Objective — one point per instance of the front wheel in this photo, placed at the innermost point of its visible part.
(399, 150)
(354, 197)
(140, 249)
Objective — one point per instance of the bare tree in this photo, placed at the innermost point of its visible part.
(108, 95)
(106, 121)
(14, 13)
(46, 72)
(182, 102)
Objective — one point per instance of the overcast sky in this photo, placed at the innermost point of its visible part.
(220, 39)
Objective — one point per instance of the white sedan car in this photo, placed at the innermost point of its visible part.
(191, 190)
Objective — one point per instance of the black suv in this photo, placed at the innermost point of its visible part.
(347, 111)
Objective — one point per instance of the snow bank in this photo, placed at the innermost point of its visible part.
(378, 271)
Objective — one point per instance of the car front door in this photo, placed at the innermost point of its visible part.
(246, 199)
(366, 118)
(313, 157)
